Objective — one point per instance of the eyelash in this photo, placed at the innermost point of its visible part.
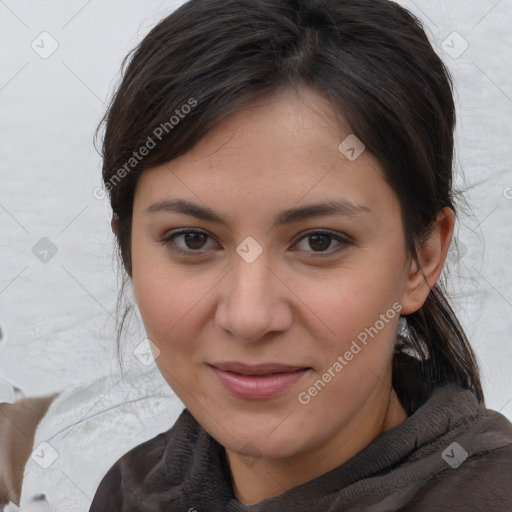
(168, 240)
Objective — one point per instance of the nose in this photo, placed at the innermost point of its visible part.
(253, 302)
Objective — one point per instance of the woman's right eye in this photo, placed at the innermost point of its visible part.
(190, 242)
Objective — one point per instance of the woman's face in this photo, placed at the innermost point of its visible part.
(277, 316)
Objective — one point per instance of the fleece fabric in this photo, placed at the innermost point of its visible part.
(451, 454)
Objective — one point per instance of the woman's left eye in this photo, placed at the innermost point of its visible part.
(193, 242)
(319, 241)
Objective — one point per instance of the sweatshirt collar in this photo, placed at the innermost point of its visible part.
(203, 472)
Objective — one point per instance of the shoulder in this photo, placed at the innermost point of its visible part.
(142, 470)
(132, 468)
(478, 472)
(481, 483)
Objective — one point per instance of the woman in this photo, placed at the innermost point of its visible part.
(280, 174)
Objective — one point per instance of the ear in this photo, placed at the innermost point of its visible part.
(431, 256)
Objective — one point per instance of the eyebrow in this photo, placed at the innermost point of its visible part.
(331, 207)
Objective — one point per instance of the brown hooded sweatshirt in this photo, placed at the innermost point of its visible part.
(451, 454)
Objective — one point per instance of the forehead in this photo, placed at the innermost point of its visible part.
(284, 147)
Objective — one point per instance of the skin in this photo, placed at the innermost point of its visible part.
(290, 305)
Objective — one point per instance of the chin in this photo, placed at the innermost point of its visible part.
(263, 439)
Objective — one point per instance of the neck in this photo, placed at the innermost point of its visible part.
(265, 478)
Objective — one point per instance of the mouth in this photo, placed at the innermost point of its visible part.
(262, 381)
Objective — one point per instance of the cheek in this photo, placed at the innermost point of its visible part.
(346, 302)
(154, 289)
(172, 300)
(353, 328)
(359, 317)
(165, 305)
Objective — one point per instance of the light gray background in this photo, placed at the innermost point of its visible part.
(57, 316)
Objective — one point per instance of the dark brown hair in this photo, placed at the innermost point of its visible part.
(370, 58)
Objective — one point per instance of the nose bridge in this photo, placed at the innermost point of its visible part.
(251, 280)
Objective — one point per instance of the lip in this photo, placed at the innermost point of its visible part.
(261, 381)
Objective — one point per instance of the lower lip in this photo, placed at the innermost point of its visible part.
(258, 386)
